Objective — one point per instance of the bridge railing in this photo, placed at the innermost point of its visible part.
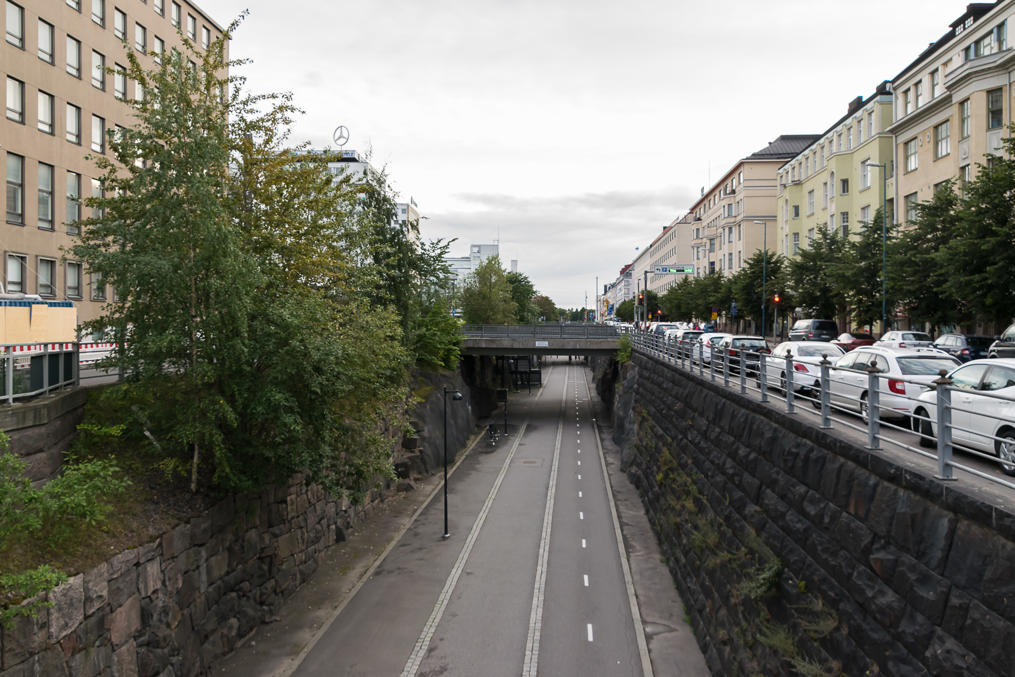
(894, 411)
(587, 331)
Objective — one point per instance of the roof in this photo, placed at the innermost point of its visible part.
(785, 147)
(973, 11)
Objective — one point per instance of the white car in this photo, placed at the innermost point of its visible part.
(913, 370)
(806, 364)
(904, 339)
(702, 348)
(981, 421)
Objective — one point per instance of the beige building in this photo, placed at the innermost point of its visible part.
(735, 215)
(671, 249)
(60, 102)
(953, 104)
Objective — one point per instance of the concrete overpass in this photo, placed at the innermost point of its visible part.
(540, 339)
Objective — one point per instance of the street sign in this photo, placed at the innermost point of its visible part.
(678, 269)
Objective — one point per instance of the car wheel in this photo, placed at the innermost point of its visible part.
(864, 410)
(926, 431)
(1006, 451)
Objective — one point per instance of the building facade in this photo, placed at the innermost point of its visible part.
(832, 182)
(953, 105)
(60, 103)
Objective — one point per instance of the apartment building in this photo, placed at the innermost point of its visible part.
(736, 216)
(953, 104)
(671, 249)
(60, 103)
(832, 182)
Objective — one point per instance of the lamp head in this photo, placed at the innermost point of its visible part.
(456, 395)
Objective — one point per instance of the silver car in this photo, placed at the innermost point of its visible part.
(904, 339)
(806, 364)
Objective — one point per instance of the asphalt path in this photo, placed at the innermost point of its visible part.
(531, 580)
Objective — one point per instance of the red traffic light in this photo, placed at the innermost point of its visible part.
(776, 298)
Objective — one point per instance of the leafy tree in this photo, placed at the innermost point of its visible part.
(756, 283)
(625, 311)
(693, 298)
(522, 293)
(811, 278)
(545, 307)
(859, 272)
(486, 296)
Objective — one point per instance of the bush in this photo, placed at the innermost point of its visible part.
(624, 350)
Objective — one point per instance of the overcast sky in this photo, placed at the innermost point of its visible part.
(570, 130)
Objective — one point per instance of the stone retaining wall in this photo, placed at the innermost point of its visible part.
(799, 553)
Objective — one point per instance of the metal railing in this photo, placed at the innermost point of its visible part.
(874, 397)
(31, 369)
(593, 331)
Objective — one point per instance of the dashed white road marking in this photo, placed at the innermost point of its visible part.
(585, 577)
(583, 543)
(579, 476)
(579, 494)
(589, 626)
(581, 515)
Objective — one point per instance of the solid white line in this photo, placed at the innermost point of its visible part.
(639, 629)
(583, 542)
(590, 631)
(423, 643)
(531, 664)
(579, 462)
(586, 577)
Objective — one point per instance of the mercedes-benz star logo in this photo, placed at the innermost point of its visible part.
(341, 135)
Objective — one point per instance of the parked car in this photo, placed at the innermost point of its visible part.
(662, 327)
(979, 421)
(807, 356)
(913, 369)
(963, 346)
(743, 349)
(705, 344)
(686, 339)
(1004, 346)
(851, 340)
(904, 339)
(813, 330)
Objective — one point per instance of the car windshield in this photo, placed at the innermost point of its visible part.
(750, 344)
(924, 366)
(691, 334)
(979, 341)
(819, 350)
(825, 325)
(915, 336)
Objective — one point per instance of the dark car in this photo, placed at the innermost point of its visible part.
(963, 346)
(813, 330)
(851, 340)
(1005, 345)
(746, 347)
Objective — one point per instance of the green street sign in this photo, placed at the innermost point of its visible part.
(679, 269)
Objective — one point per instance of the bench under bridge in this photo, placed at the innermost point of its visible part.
(540, 339)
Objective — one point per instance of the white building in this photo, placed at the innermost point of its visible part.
(462, 266)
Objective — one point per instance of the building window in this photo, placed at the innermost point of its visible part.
(191, 27)
(918, 93)
(98, 70)
(964, 116)
(15, 273)
(74, 4)
(844, 187)
(796, 211)
(849, 138)
(15, 189)
(909, 204)
(995, 109)
(205, 37)
(73, 203)
(15, 24)
(870, 124)
(935, 84)
(796, 243)
(15, 100)
(810, 202)
(810, 236)
(729, 260)
(140, 37)
(844, 223)
(907, 101)
(47, 277)
(45, 214)
(98, 134)
(158, 48)
(98, 287)
(138, 91)
(45, 112)
(865, 214)
(911, 160)
(159, 6)
(99, 12)
(941, 141)
(73, 277)
(859, 132)
(865, 174)
(120, 24)
(120, 82)
(98, 194)
(824, 195)
(73, 124)
(965, 173)
(45, 46)
(174, 16)
(73, 57)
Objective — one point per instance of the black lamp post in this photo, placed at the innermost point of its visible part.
(455, 395)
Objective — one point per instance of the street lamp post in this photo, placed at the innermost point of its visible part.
(764, 277)
(455, 395)
(884, 242)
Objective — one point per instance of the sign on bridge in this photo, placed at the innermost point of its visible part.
(679, 269)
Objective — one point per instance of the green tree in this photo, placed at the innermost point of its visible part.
(756, 284)
(859, 272)
(546, 308)
(811, 276)
(625, 311)
(486, 296)
(522, 293)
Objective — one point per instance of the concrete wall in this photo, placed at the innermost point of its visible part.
(42, 429)
(797, 552)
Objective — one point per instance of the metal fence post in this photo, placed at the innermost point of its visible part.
(9, 375)
(726, 367)
(788, 384)
(45, 368)
(944, 428)
(763, 376)
(701, 358)
(75, 364)
(743, 374)
(824, 394)
(873, 408)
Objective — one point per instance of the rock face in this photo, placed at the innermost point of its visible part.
(798, 552)
(173, 606)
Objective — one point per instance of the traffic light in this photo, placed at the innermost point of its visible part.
(641, 299)
(659, 312)
(776, 298)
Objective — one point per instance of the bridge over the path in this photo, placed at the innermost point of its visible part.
(540, 339)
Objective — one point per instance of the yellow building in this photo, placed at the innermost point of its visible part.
(60, 102)
(831, 182)
(953, 104)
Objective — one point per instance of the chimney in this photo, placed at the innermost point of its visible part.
(855, 105)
